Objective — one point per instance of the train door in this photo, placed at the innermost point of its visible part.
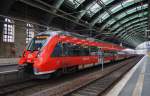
(95, 57)
(68, 57)
(101, 57)
(64, 54)
(56, 56)
(71, 58)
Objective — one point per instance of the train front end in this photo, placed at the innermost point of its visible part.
(34, 55)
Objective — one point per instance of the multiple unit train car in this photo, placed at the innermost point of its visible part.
(49, 52)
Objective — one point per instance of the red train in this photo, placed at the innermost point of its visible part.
(49, 52)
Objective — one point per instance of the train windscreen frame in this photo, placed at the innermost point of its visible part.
(37, 42)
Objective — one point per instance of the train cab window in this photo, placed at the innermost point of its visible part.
(57, 50)
(37, 43)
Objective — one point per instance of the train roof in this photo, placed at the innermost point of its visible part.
(83, 37)
(70, 34)
(75, 35)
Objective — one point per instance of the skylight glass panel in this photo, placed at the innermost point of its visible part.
(128, 24)
(115, 26)
(145, 13)
(110, 22)
(127, 3)
(145, 5)
(135, 21)
(137, 29)
(125, 20)
(130, 28)
(121, 6)
(136, 25)
(135, 16)
(76, 3)
(121, 15)
(144, 23)
(137, 8)
(100, 20)
(105, 16)
(106, 2)
(133, 28)
(118, 30)
(131, 11)
(140, 15)
(95, 8)
(116, 8)
(144, 18)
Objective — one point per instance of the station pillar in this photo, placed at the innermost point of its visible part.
(1, 33)
(148, 14)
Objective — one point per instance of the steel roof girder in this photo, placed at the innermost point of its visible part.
(121, 19)
(131, 27)
(84, 9)
(131, 20)
(130, 24)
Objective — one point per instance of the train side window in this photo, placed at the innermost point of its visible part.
(65, 49)
(108, 53)
(86, 51)
(83, 51)
(76, 50)
(57, 50)
(94, 50)
(73, 50)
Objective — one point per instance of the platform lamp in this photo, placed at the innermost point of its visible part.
(101, 57)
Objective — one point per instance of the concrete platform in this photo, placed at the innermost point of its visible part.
(136, 82)
(8, 64)
(8, 61)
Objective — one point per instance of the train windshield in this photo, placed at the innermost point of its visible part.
(37, 43)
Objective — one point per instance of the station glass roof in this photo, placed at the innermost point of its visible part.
(116, 15)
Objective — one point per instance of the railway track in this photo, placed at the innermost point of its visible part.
(99, 86)
(67, 84)
(79, 84)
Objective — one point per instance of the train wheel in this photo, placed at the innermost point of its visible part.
(57, 73)
(76, 68)
(72, 69)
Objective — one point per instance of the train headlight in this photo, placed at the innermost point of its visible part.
(38, 54)
(23, 55)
